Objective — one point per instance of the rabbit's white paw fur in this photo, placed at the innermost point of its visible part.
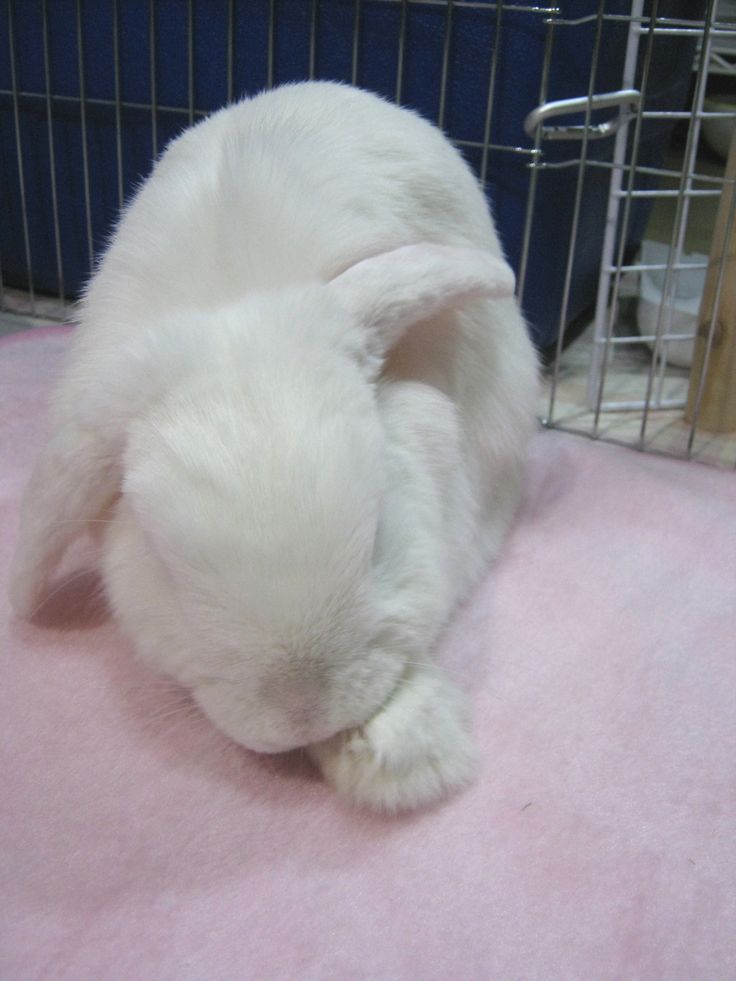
(416, 750)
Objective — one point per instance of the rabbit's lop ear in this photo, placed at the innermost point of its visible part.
(76, 476)
(390, 292)
(78, 473)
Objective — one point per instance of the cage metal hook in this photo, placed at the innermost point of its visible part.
(624, 99)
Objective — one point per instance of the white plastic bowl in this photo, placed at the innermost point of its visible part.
(718, 132)
(687, 292)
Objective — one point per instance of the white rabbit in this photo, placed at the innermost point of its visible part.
(302, 389)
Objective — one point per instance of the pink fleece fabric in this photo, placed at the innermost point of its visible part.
(598, 842)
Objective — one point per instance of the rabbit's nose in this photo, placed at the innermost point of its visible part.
(310, 719)
(307, 717)
(293, 689)
(303, 715)
(300, 702)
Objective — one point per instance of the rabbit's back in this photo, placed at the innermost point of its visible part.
(295, 184)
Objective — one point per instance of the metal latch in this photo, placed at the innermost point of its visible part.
(624, 99)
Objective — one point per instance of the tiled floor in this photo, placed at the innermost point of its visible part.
(18, 312)
(665, 430)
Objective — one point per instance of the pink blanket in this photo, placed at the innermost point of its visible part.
(599, 841)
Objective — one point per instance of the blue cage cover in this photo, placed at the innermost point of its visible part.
(521, 50)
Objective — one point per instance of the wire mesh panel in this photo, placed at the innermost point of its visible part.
(582, 118)
(660, 358)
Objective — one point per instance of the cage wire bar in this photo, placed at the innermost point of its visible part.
(590, 383)
(610, 334)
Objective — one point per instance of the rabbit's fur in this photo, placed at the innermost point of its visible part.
(302, 390)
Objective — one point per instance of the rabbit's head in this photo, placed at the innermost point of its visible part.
(254, 489)
(249, 455)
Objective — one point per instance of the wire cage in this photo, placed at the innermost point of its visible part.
(600, 129)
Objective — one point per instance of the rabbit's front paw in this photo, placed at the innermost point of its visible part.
(415, 751)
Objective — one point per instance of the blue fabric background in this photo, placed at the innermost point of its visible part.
(521, 55)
